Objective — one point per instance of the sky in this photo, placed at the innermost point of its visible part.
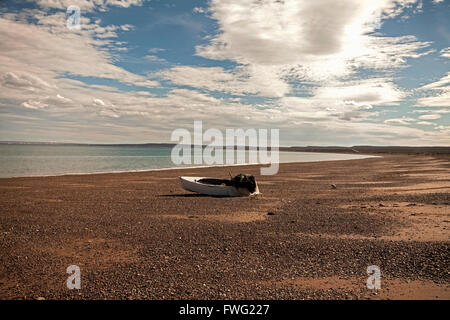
(323, 72)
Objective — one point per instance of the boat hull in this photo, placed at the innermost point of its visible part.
(192, 184)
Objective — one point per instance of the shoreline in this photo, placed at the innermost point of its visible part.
(139, 235)
(363, 156)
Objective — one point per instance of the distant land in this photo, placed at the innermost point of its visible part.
(328, 149)
(374, 149)
(91, 144)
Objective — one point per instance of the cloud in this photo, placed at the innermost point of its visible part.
(99, 102)
(154, 58)
(309, 36)
(32, 104)
(239, 81)
(320, 49)
(199, 10)
(441, 84)
(52, 52)
(372, 91)
(86, 5)
(440, 93)
(155, 50)
(24, 81)
(445, 52)
(324, 44)
(430, 117)
(37, 62)
(404, 121)
(348, 101)
(439, 100)
(425, 123)
(437, 111)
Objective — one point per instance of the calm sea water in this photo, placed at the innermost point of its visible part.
(43, 160)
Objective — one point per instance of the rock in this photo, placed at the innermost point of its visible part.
(333, 186)
(270, 213)
(40, 298)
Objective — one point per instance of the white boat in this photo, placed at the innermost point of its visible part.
(218, 187)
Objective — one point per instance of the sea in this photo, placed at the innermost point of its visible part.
(26, 160)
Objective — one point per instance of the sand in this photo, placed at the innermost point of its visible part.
(140, 236)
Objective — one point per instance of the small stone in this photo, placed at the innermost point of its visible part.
(333, 186)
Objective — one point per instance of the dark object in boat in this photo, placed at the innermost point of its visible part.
(243, 181)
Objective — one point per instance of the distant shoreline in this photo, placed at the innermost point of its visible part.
(326, 149)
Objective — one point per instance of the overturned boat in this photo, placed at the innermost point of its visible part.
(239, 186)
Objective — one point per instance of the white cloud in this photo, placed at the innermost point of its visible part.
(440, 100)
(438, 111)
(154, 58)
(372, 91)
(32, 104)
(348, 101)
(440, 93)
(199, 10)
(24, 81)
(324, 43)
(239, 81)
(99, 102)
(445, 52)
(155, 50)
(440, 96)
(317, 39)
(28, 50)
(425, 123)
(86, 5)
(441, 84)
(430, 117)
(404, 121)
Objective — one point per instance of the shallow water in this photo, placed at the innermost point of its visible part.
(18, 160)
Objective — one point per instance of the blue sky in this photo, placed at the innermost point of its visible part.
(323, 72)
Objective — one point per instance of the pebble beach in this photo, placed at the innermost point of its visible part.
(311, 233)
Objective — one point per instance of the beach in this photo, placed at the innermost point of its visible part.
(311, 234)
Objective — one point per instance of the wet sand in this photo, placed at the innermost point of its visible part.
(141, 236)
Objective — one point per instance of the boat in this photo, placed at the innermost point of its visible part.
(239, 186)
